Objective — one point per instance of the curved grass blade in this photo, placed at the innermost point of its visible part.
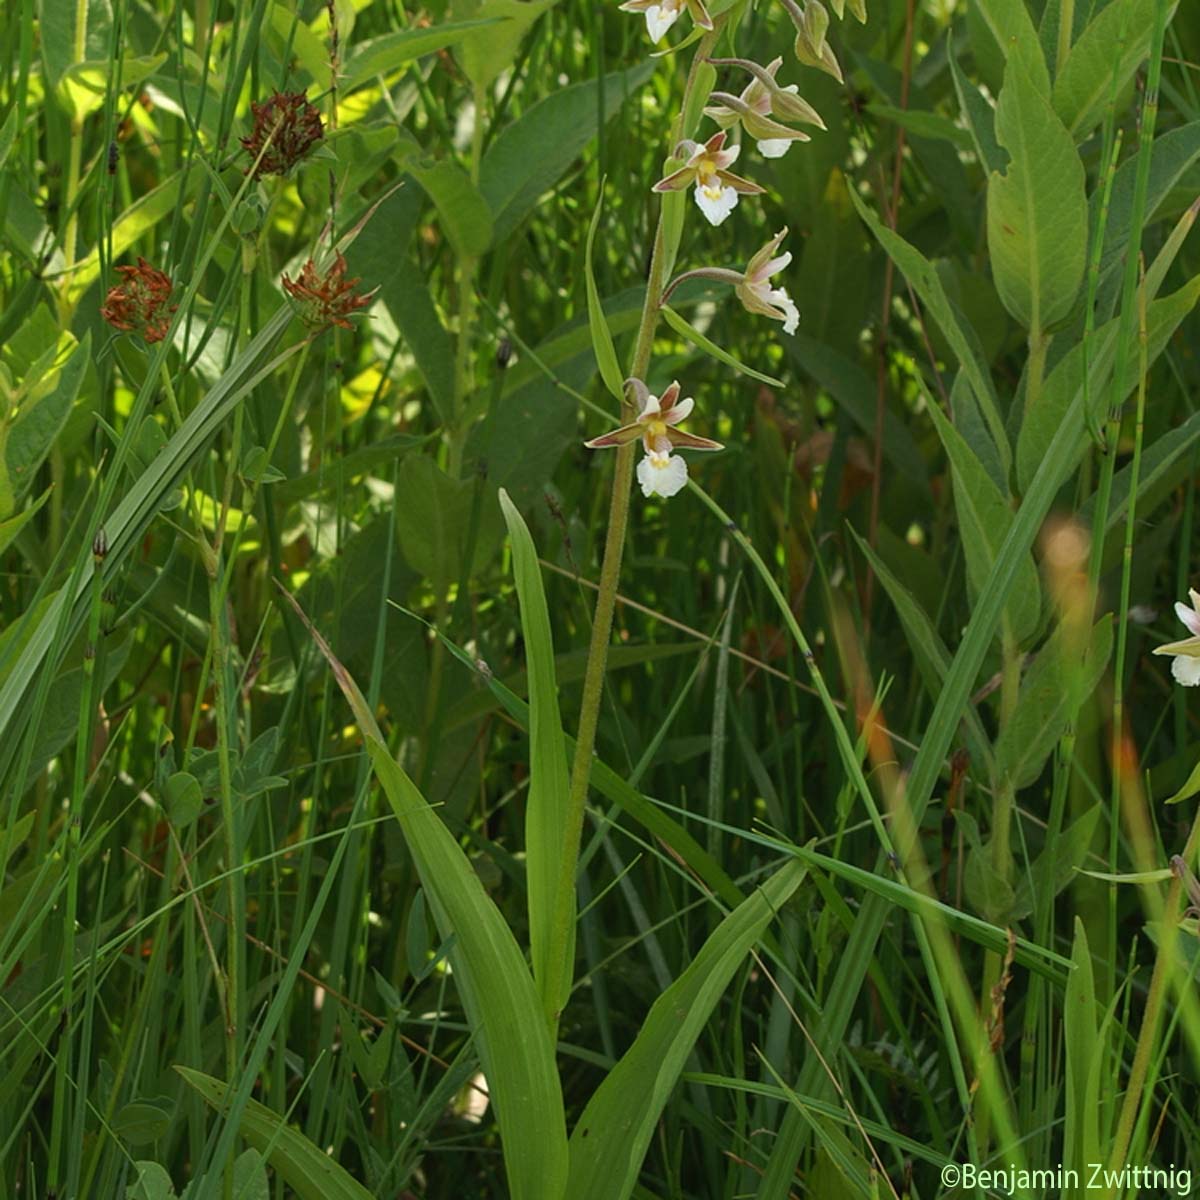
(546, 810)
(493, 980)
(311, 1173)
(610, 1140)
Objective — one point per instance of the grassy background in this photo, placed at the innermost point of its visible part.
(166, 718)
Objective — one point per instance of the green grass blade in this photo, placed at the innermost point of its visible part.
(611, 1138)
(310, 1172)
(493, 980)
(546, 811)
(602, 343)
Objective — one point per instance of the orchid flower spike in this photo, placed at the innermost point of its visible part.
(706, 166)
(660, 473)
(1186, 664)
(755, 290)
(662, 14)
(812, 23)
(760, 101)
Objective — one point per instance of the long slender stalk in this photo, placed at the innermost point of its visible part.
(606, 596)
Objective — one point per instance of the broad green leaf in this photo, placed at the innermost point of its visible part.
(85, 86)
(1084, 84)
(687, 330)
(184, 799)
(1048, 700)
(65, 40)
(533, 153)
(250, 1177)
(391, 51)
(602, 343)
(1037, 214)
(290, 31)
(919, 272)
(1064, 387)
(305, 1168)
(463, 213)
(486, 53)
(433, 520)
(150, 1182)
(1171, 155)
(13, 525)
(610, 1140)
(1071, 847)
(1013, 34)
(546, 810)
(29, 439)
(141, 1122)
(984, 519)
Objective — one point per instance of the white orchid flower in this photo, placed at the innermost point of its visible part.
(706, 166)
(755, 291)
(662, 14)
(660, 473)
(753, 285)
(1185, 665)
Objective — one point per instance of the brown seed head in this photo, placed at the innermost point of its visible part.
(327, 299)
(295, 124)
(139, 304)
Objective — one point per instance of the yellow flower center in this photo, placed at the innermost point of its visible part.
(656, 427)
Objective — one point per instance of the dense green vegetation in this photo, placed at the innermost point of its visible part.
(399, 797)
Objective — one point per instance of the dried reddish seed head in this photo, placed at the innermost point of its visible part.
(326, 299)
(141, 302)
(296, 125)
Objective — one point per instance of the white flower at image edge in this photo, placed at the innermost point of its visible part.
(662, 473)
(1185, 664)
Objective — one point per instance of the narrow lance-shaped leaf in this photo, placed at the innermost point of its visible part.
(546, 809)
(984, 519)
(602, 343)
(685, 329)
(919, 272)
(493, 980)
(610, 1140)
(307, 1169)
